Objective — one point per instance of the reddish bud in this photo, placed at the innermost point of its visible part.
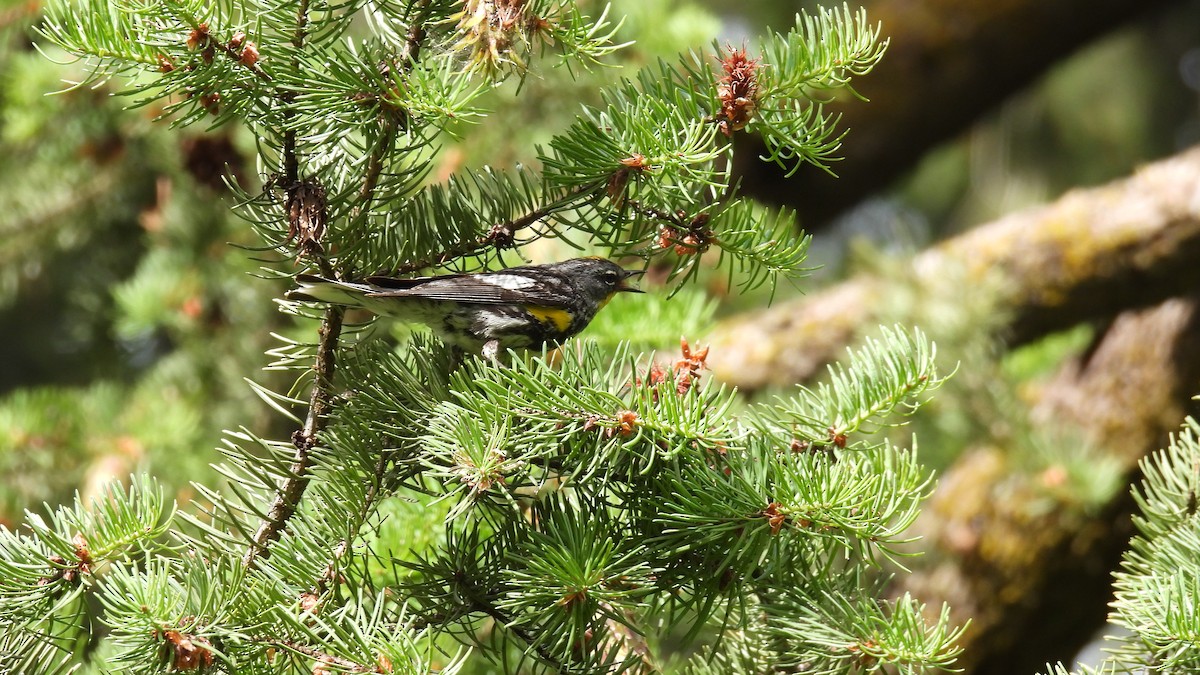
(82, 553)
(636, 161)
(628, 421)
(737, 91)
(211, 102)
(309, 602)
(693, 239)
(775, 517)
(187, 652)
(838, 438)
(198, 37)
(668, 236)
(249, 55)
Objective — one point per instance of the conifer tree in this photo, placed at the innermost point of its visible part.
(588, 510)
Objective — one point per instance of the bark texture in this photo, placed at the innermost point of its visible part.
(1088, 256)
(1018, 555)
(1014, 549)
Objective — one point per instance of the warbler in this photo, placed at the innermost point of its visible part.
(519, 307)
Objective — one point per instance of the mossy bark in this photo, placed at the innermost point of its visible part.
(1019, 555)
(1090, 255)
(1012, 550)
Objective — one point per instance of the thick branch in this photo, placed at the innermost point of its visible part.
(1017, 553)
(949, 62)
(1089, 255)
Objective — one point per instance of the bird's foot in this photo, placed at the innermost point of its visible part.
(491, 350)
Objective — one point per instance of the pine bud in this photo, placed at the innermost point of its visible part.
(249, 55)
(187, 652)
(211, 102)
(198, 37)
(737, 91)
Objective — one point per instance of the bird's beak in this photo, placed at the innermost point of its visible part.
(624, 283)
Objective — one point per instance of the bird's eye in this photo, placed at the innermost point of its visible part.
(610, 277)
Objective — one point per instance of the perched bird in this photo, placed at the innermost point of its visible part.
(520, 307)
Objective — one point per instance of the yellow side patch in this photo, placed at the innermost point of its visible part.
(559, 318)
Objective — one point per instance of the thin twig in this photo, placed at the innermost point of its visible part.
(287, 498)
(416, 33)
(325, 658)
(375, 162)
(503, 622)
(291, 163)
(320, 403)
(390, 124)
(499, 236)
(200, 29)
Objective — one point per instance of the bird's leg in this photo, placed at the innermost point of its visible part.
(457, 356)
(491, 350)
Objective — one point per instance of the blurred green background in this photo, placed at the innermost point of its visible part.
(131, 315)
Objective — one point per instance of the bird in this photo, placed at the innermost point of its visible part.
(486, 313)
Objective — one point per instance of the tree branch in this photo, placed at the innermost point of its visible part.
(503, 621)
(499, 236)
(933, 83)
(287, 499)
(291, 163)
(1016, 552)
(1087, 256)
(416, 33)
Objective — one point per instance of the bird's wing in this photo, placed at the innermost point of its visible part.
(510, 286)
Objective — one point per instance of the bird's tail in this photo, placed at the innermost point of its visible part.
(313, 288)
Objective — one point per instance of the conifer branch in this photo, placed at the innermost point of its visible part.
(287, 499)
(505, 623)
(591, 501)
(291, 163)
(412, 49)
(415, 37)
(343, 665)
(500, 235)
(235, 51)
(366, 194)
